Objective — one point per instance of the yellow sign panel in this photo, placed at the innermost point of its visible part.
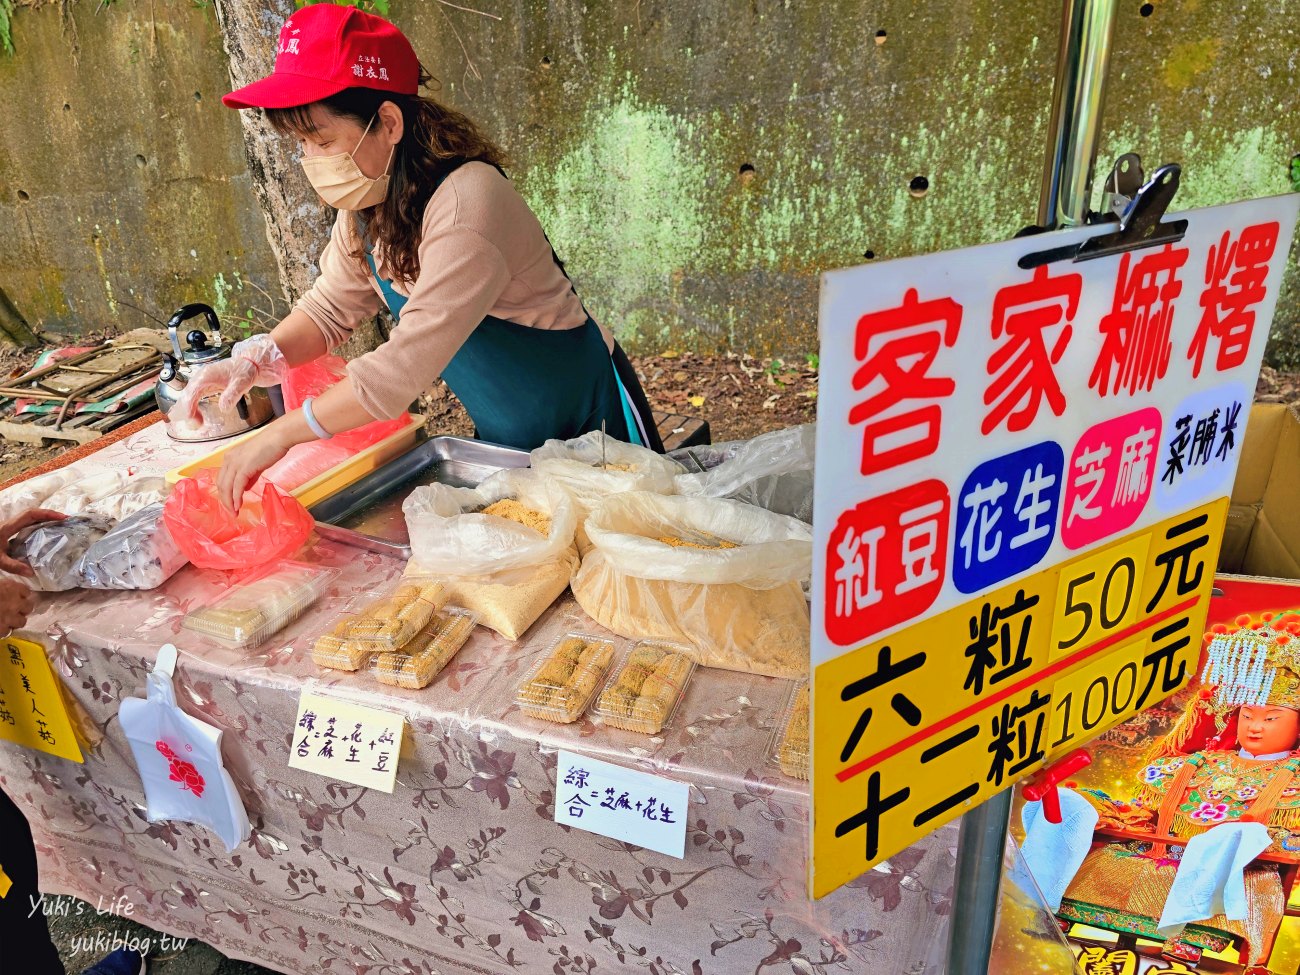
(912, 730)
(347, 741)
(32, 712)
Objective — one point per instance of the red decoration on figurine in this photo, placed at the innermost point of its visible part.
(1043, 786)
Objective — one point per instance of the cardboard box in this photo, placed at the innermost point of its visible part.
(1262, 537)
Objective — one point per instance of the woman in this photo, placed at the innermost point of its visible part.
(429, 224)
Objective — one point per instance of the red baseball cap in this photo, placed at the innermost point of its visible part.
(325, 48)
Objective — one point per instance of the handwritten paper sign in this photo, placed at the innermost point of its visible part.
(621, 803)
(32, 712)
(351, 742)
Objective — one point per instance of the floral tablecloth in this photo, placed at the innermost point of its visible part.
(461, 868)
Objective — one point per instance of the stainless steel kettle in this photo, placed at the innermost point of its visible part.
(203, 349)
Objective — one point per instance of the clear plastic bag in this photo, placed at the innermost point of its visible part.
(32, 493)
(270, 525)
(594, 466)
(139, 553)
(77, 497)
(502, 569)
(312, 379)
(134, 496)
(722, 577)
(54, 550)
(773, 471)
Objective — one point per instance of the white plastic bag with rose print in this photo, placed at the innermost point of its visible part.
(179, 759)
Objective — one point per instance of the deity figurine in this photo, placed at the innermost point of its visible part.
(1223, 780)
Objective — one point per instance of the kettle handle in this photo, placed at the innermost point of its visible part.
(186, 312)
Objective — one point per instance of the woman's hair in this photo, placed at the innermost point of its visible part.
(435, 140)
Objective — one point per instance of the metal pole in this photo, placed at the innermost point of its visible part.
(980, 845)
(1067, 184)
(1077, 99)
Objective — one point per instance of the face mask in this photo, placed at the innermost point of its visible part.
(340, 181)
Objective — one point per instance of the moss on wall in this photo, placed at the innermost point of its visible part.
(127, 184)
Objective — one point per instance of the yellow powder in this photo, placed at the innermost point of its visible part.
(704, 541)
(514, 511)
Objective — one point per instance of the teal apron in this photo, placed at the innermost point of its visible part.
(523, 386)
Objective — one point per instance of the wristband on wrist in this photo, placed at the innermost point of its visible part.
(314, 423)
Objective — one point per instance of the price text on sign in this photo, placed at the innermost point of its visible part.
(1019, 470)
(32, 712)
(918, 727)
(351, 742)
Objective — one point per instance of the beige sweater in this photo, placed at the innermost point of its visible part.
(482, 252)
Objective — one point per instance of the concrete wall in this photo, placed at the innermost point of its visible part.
(122, 178)
(696, 164)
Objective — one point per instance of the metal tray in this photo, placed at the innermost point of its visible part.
(368, 514)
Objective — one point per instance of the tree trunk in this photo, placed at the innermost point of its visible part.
(297, 226)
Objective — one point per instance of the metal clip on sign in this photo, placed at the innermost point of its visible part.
(1140, 224)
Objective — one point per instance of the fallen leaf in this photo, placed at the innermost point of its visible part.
(668, 354)
(696, 401)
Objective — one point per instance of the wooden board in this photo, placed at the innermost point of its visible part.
(678, 431)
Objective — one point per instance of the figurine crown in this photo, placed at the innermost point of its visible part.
(1254, 663)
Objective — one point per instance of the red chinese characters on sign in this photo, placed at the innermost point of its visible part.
(1027, 317)
(897, 348)
(886, 561)
(1110, 477)
(1136, 341)
(1234, 284)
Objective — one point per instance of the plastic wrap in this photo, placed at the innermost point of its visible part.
(32, 493)
(503, 570)
(560, 686)
(312, 379)
(788, 749)
(773, 471)
(78, 496)
(248, 614)
(423, 658)
(594, 466)
(54, 550)
(269, 526)
(739, 607)
(139, 553)
(306, 461)
(134, 496)
(379, 622)
(643, 694)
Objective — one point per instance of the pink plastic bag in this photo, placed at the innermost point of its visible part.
(269, 526)
(312, 379)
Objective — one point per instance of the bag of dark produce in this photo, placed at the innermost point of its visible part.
(54, 550)
(139, 553)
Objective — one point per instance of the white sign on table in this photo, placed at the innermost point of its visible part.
(621, 803)
(347, 741)
(1022, 479)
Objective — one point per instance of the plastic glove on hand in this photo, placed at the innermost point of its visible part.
(255, 361)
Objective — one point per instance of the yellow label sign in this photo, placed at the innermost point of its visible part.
(32, 712)
(343, 740)
(912, 730)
